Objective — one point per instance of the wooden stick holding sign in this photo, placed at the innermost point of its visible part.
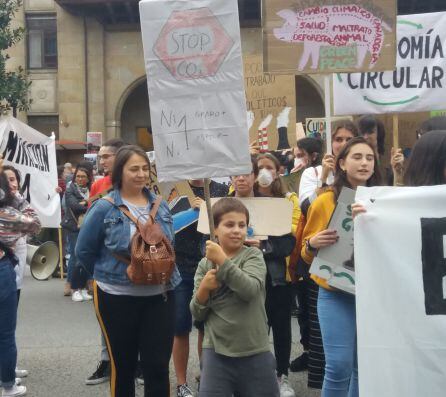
(207, 197)
(327, 89)
(396, 144)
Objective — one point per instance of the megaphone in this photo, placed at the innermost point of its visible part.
(42, 260)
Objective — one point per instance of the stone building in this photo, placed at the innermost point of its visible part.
(85, 60)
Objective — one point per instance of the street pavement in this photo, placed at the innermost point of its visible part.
(58, 342)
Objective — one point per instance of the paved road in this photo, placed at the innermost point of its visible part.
(58, 342)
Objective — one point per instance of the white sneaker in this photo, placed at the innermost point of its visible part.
(285, 388)
(86, 295)
(21, 373)
(14, 391)
(77, 296)
(18, 381)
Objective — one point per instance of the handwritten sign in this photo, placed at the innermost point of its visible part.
(271, 102)
(316, 127)
(335, 263)
(323, 36)
(34, 155)
(194, 67)
(418, 82)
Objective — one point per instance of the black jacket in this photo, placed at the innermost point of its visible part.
(73, 208)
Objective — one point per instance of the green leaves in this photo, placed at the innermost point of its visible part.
(14, 84)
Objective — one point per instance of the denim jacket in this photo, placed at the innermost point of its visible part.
(106, 230)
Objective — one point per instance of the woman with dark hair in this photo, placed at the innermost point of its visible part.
(308, 153)
(356, 165)
(133, 318)
(427, 162)
(76, 202)
(276, 251)
(314, 181)
(372, 129)
(14, 224)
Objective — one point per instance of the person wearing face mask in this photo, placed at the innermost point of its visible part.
(279, 292)
(307, 153)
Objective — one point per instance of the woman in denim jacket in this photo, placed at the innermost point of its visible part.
(134, 318)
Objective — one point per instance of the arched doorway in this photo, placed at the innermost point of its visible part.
(309, 102)
(135, 118)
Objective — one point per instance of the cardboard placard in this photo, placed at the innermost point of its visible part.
(326, 36)
(335, 263)
(267, 216)
(271, 104)
(316, 127)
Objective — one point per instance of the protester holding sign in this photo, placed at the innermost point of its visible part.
(356, 165)
(188, 244)
(229, 297)
(134, 318)
(14, 224)
(320, 176)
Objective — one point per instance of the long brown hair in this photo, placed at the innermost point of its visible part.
(276, 187)
(341, 179)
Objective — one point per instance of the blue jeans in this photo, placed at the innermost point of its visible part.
(183, 296)
(72, 238)
(337, 318)
(8, 320)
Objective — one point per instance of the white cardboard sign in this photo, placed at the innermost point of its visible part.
(193, 59)
(335, 263)
(400, 263)
(267, 216)
(417, 84)
(34, 155)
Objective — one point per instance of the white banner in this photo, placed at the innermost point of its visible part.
(194, 67)
(34, 155)
(400, 263)
(419, 81)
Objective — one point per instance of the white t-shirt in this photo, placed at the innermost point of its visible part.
(310, 181)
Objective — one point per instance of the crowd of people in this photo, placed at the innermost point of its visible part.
(234, 290)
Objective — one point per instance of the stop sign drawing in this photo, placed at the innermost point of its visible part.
(192, 44)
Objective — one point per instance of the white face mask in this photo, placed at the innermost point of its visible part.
(265, 178)
(299, 162)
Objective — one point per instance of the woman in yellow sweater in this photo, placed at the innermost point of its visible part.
(356, 165)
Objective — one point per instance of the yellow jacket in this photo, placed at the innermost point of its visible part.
(295, 220)
(318, 218)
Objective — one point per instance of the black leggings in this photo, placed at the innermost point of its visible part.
(133, 325)
(278, 304)
(79, 278)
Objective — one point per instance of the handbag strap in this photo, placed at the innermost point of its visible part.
(127, 213)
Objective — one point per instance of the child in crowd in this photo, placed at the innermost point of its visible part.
(229, 296)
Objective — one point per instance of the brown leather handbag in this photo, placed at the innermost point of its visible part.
(152, 258)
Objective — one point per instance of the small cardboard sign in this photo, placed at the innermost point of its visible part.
(335, 263)
(267, 216)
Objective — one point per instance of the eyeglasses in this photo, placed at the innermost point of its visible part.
(105, 156)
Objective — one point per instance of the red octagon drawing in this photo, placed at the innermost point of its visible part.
(192, 44)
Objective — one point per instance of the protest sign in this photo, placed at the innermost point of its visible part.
(400, 262)
(267, 216)
(335, 263)
(34, 155)
(271, 102)
(325, 36)
(418, 82)
(316, 127)
(194, 67)
(94, 141)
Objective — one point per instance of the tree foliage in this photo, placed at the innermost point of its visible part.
(14, 84)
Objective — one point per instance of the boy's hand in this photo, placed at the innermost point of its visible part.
(196, 203)
(209, 282)
(215, 253)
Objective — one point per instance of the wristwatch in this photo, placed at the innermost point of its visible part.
(309, 247)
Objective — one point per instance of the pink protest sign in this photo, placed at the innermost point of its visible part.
(310, 37)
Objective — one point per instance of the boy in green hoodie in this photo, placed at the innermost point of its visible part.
(229, 296)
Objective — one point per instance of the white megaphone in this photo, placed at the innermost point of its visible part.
(42, 260)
